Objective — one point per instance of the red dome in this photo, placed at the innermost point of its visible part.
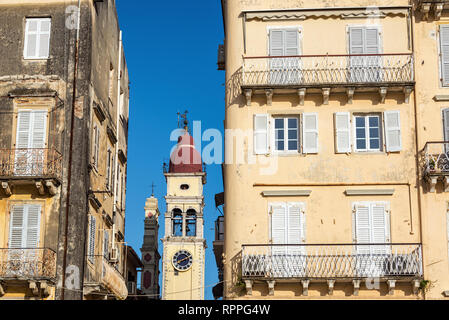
(185, 158)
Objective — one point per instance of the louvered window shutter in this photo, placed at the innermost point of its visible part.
(17, 225)
(23, 129)
(291, 43)
(444, 52)
(393, 131)
(380, 227)
(310, 133)
(446, 124)
(261, 134)
(343, 132)
(295, 227)
(44, 38)
(356, 37)
(277, 43)
(372, 41)
(106, 244)
(96, 145)
(363, 227)
(33, 226)
(278, 226)
(92, 232)
(108, 171)
(39, 127)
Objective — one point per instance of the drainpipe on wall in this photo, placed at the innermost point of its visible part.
(69, 174)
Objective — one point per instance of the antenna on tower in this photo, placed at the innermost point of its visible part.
(186, 121)
(152, 189)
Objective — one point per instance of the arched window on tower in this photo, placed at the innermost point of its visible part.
(191, 223)
(177, 223)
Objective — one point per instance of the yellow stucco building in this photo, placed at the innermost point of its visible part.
(325, 195)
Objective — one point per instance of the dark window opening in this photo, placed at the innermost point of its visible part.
(191, 223)
(177, 223)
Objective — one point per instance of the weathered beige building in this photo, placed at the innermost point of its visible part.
(64, 93)
(322, 193)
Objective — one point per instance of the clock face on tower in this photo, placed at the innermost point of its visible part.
(182, 260)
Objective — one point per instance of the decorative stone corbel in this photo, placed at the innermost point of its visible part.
(51, 187)
(446, 184)
(271, 285)
(45, 288)
(407, 93)
(446, 294)
(305, 287)
(302, 96)
(269, 94)
(326, 95)
(6, 188)
(248, 95)
(33, 287)
(416, 284)
(425, 8)
(383, 94)
(350, 93)
(356, 284)
(40, 187)
(249, 287)
(331, 285)
(391, 287)
(438, 10)
(432, 184)
(2, 290)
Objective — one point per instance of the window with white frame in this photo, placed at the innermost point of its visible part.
(373, 132)
(286, 134)
(368, 133)
(37, 38)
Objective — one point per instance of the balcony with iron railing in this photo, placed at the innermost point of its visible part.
(328, 73)
(332, 263)
(435, 164)
(103, 279)
(42, 167)
(28, 265)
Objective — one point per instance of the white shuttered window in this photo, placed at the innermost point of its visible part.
(371, 226)
(25, 226)
(31, 129)
(444, 54)
(37, 38)
(287, 226)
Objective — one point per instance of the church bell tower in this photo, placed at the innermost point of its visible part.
(184, 243)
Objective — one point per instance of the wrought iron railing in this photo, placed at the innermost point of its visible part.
(435, 158)
(309, 70)
(27, 264)
(30, 163)
(332, 261)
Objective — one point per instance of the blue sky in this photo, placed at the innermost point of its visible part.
(171, 51)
